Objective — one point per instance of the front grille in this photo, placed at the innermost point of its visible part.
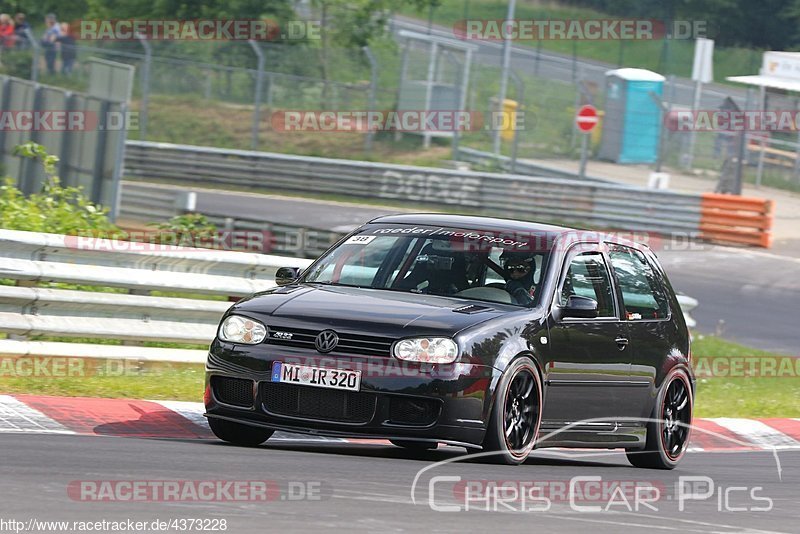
(417, 412)
(318, 403)
(234, 391)
(348, 343)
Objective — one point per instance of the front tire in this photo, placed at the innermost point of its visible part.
(239, 434)
(669, 427)
(516, 414)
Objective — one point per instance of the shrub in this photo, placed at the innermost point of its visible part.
(55, 209)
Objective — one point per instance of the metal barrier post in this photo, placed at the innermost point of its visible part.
(148, 56)
(35, 57)
(373, 82)
(462, 101)
(270, 82)
(796, 171)
(512, 4)
(520, 86)
(259, 84)
(760, 168)
(737, 188)
(116, 178)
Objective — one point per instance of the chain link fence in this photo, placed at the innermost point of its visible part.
(548, 87)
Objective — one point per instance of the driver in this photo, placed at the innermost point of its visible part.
(520, 269)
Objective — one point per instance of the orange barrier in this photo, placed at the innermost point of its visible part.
(735, 219)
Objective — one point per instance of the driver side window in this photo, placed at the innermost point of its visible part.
(588, 276)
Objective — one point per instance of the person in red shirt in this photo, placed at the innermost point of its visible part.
(6, 31)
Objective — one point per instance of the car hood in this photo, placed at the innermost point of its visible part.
(368, 311)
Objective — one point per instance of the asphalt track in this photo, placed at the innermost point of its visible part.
(748, 295)
(368, 487)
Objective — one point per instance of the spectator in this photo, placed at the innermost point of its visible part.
(21, 27)
(6, 31)
(68, 51)
(49, 40)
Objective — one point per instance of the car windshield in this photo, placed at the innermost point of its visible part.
(491, 266)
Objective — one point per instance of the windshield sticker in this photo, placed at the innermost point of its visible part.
(466, 235)
(360, 239)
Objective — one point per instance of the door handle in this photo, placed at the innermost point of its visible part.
(622, 342)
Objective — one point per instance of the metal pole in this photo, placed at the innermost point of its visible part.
(512, 4)
(574, 60)
(373, 82)
(148, 56)
(698, 91)
(584, 155)
(737, 187)
(403, 72)
(462, 100)
(760, 168)
(667, 108)
(520, 109)
(116, 177)
(762, 101)
(257, 99)
(577, 104)
(35, 58)
(270, 82)
(797, 153)
(429, 88)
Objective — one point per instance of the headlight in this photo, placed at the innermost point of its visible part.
(427, 350)
(238, 329)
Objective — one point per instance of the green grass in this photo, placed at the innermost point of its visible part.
(112, 379)
(742, 396)
(716, 397)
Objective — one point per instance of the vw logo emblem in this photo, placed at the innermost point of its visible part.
(326, 341)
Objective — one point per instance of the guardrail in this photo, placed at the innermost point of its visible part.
(480, 157)
(147, 203)
(34, 259)
(31, 309)
(515, 196)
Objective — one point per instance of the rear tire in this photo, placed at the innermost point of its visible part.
(418, 446)
(669, 427)
(239, 434)
(516, 414)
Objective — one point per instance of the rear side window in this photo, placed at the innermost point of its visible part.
(643, 297)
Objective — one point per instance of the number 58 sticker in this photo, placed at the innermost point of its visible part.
(360, 239)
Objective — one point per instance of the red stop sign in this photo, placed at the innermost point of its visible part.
(586, 118)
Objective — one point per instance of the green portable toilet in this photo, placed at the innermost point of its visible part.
(632, 121)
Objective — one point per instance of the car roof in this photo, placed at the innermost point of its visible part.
(566, 234)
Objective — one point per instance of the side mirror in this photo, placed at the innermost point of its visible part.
(579, 307)
(286, 275)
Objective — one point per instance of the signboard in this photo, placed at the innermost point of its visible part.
(586, 118)
(781, 64)
(703, 66)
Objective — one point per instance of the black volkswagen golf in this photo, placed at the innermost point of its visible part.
(484, 333)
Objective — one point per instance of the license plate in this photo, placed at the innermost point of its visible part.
(321, 377)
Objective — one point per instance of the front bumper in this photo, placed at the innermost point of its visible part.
(457, 397)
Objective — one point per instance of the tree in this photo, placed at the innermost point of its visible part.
(354, 23)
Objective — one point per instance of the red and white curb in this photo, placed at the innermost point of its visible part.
(184, 420)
